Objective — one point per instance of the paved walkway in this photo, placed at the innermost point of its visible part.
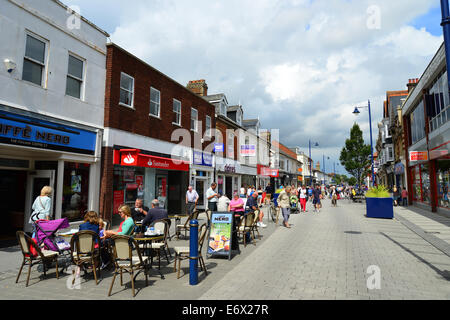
(323, 256)
(327, 256)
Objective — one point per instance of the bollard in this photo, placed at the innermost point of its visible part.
(193, 254)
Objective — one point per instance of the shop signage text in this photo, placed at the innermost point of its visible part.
(202, 159)
(248, 150)
(36, 133)
(132, 157)
(418, 156)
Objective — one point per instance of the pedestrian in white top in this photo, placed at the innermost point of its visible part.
(223, 203)
(42, 205)
(191, 199)
(213, 197)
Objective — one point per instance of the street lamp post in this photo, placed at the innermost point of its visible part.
(356, 112)
(310, 160)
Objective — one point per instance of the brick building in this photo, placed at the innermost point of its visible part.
(150, 121)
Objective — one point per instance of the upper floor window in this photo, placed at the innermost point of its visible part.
(239, 117)
(74, 77)
(194, 120)
(126, 90)
(438, 102)
(155, 102)
(176, 112)
(208, 126)
(223, 109)
(417, 120)
(34, 60)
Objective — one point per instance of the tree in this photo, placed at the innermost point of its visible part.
(340, 178)
(352, 181)
(355, 155)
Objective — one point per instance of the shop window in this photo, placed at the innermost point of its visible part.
(75, 190)
(442, 180)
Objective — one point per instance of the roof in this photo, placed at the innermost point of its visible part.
(82, 18)
(233, 108)
(250, 122)
(215, 97)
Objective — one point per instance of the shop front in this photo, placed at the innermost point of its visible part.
(228, 180)
(201, 175)
(266, 175)
(38, 151)
(440, 157)
(399, 171)
(141, 175)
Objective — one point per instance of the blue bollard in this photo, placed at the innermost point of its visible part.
(193, 253)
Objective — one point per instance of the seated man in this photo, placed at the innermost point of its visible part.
(139, 211)
(154, 214)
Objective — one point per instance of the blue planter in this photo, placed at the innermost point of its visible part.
(380, 208)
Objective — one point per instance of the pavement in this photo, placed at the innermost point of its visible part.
(337, 254)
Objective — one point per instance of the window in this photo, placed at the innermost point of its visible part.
(223, 109)
(417, 119)
(155, 102)
(208, 126)
(34, 60)
(239, 117)
(176, 112)
(194, 120)
(230, 145)
(126, 90)
(74, 77)
(437, 106)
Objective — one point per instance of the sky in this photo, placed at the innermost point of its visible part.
(301, 66)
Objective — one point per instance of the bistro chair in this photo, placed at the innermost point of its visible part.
(208, 216)
(43, 256)
(255, 224)
(245, 226)
(182, 253)
(161, 245)
(185, 226)
(84, 253)
(125, 261)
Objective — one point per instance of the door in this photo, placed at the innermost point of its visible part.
(35, 182)
(200, 188)
(161, 190)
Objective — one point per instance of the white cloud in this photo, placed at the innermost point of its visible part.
(300, 65)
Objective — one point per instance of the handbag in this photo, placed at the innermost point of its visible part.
(35, 214)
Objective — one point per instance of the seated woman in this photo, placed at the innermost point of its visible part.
(91, 222)
(126, 227)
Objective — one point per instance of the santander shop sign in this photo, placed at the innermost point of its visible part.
(133, 157)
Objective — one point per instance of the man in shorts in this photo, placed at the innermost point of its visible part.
(317, 194)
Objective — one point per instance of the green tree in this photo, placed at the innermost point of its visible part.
(352, 181)
(355, 155)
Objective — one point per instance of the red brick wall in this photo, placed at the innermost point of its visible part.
(106, 189)
(138, 120)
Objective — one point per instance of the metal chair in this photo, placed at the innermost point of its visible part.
(41, 256)
(162, 245)
(255, 224)
(182, 253)
(125, 261)
(84, 253)
(185, 226)
(245, 226)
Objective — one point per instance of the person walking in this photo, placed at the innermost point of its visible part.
(213, 197)
(191, 199)
(42, 205)
(404, 197)
(334, 196)
(285, 205)
(317, 194)
(303, 198)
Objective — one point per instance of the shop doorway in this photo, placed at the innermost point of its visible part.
(36, 180)
(161, 190)
(12, 204)
(229, 187)
(200, 188)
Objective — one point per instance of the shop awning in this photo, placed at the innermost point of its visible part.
(133, 158)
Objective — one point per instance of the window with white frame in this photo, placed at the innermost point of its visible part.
(438, 110)
(74, 82)
(194, 120)
(155, 102)
(208, 126)
(34, 60)
(223, 109)
(126, 90)
(230, 145)
(176, 112)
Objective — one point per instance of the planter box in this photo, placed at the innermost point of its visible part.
(380, 208)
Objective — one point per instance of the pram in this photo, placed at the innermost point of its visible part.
(46, 237)
(294, 204)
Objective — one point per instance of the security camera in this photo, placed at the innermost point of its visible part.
(10, 65)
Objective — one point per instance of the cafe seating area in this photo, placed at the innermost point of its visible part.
(151, 254)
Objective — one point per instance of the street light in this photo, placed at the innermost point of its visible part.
(356, 113)
(310, 160)
(324, 170)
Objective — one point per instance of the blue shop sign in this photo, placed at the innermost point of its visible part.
(219, 147)
(202, 159)
(36, 133)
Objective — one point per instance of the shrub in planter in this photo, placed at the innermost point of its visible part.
(379, 203)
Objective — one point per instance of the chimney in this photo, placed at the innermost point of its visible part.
(198, 87)
(412, 83)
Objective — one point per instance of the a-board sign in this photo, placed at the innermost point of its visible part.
(221, 234)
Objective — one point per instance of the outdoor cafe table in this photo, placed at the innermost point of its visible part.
(147, 240)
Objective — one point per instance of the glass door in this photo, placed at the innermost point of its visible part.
(161, 190)
(35, 182)
(200, 188)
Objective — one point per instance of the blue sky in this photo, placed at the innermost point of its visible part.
(431, 20)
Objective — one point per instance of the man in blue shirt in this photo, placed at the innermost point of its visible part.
(317, 194)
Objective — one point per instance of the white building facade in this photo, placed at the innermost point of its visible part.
(52, 91)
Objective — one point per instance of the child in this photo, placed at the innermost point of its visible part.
(100, 227)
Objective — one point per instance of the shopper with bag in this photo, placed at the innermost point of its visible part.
(42, 206)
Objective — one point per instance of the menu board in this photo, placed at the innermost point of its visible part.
(221, 234)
